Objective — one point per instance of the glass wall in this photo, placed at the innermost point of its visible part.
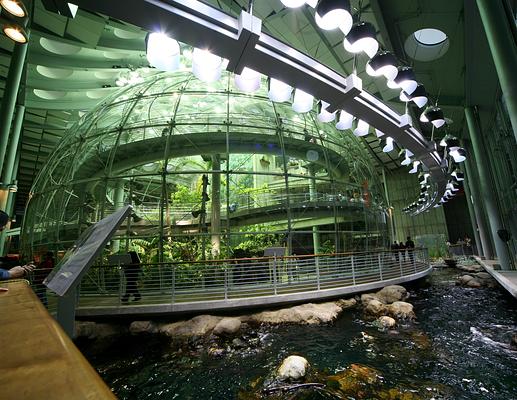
(211, 172)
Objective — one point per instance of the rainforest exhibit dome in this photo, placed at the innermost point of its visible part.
(210, 172)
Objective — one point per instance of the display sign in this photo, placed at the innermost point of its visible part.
(85, 250)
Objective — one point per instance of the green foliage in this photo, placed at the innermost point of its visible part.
(185, 195)
(255, 243)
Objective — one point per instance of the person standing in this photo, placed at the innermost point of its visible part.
(410, 246)
(131, 272)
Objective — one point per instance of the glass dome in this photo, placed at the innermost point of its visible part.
(211, 172)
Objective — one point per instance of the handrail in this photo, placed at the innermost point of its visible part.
(231, 283)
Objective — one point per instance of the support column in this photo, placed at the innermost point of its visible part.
(473, 219)
(504, 51)
(118, 203)
(12, 85)
(215, 213)
(486, 188)
(313, 197)
(8, 169)
(472, 178)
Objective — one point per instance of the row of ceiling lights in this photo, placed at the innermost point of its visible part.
(361, 37)
(14, 20)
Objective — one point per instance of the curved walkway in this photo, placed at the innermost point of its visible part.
(168, 289)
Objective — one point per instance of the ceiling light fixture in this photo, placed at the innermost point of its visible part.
(206, 67)
(458, 176)
(389, 145)
(362, 128)
(407, 159)
(302, 101)
(361, 38)
(293, 3)
(434, 115)
(345, 121)
(248, 81)
(323, 114)
(16, 33)
(16, 8)
(414, 170)
(382, 63)
(278, 91)
(458, 154)
(405, 79)
(332, 14)
(419, 96)
(163, 52)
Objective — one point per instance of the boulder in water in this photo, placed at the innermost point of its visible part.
(143, 327)
(367, 297)
(355, 379)
(94, 330)
(293, 368)
(375, 307)
(347, 303)
(197, 326)
(392, 293)
(227, 326)
(513, 341)
(386, 322)
(304, 314)
(473, 283)
(401, 310)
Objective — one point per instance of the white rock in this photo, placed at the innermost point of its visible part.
(386, 322)
(375, 307)
(227, 326)
(392, 293)
(401, 310)
(197, 326)
(292, 368)
(304, 314)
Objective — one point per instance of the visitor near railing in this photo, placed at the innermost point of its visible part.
(238, 279)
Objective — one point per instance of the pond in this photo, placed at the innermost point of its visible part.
(456, 349)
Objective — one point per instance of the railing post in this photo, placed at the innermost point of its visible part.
(173, 288)
(414, 259)
(274, 275)
(120, 282)
(380, 265)
(400, 265)
(318, 273)
(226, 282)
(353, 270)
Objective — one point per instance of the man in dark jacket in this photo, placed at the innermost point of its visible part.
(410, 246)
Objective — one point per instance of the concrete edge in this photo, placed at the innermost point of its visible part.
(510, 286)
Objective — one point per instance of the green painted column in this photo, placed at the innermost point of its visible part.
(118, 203)
(472, 185)
(9, 97)
(473, 221)
(313, 197)
(486, 188)
(215, 211)
(8, 169)
(504, 51)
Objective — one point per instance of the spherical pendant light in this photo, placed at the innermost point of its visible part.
(332, 14)
(419, 96)
(383, 63)
(361, 38)
(434, 115)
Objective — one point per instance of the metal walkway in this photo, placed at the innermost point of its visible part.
(209, 286)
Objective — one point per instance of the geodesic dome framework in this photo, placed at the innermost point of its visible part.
(211, 172)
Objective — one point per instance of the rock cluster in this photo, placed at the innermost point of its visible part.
(476, 280)
(388, 304)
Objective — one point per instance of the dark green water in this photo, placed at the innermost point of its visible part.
(456, 349)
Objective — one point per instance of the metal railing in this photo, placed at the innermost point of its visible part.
(235, 280)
